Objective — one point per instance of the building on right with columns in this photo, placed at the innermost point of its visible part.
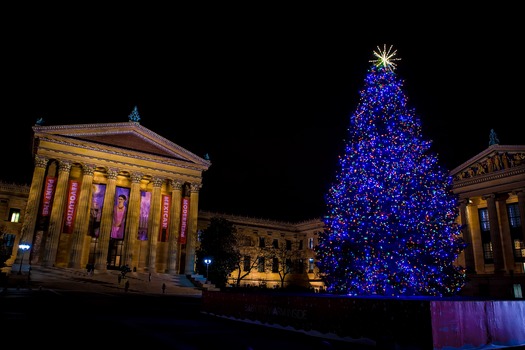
(491, 191)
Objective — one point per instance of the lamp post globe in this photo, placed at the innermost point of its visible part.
(23, 247)
(207, 261)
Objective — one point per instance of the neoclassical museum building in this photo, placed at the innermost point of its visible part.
(118, 194)
(110, 195)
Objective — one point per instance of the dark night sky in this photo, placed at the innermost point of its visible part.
(266, 94)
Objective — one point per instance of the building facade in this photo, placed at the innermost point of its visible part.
(274, 254)
(491, 190)
(111, 195)
(13, 199)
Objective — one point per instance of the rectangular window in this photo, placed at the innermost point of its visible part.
(260, 264)
(275, 243)
(261, 242)
(311, 243)
(9, 241)
(310, 265)
(515, 232)
(488, 254)
(298, 266)
(288, 265)
(484, 220)
(300, 245)
(484, 225)
(247, 263)
(288, 244)
(519, 250)
(275, 265)
(14, 215)
(514, 215)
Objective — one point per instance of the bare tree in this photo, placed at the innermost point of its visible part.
(281, 257)
(287, 258)
(249, 257)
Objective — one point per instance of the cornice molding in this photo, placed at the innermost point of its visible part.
(14, 188)
(116, 152)
(261, 223)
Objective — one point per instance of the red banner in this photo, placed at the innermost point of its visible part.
(49, 192)
(71, 207)
(165, 218)
(184, 220)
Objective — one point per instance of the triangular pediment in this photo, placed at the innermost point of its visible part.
(496, 158)
(129, 136)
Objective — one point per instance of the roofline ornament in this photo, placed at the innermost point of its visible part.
(134, 115)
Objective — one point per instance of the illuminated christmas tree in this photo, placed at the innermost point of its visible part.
(390, 226)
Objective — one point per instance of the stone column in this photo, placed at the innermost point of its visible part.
(507, 243)
(173, 243)
(495, 235)
(33, 201)
(27, 232)
(81, 221)
(154, 226)
(57, 214)
(470, 264)
(191, 241)
(133, 219)
(101, 254)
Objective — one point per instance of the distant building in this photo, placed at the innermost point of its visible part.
(274, 254)
(13, 199)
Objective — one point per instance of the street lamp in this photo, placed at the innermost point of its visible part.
(23, 247)
(207, 261)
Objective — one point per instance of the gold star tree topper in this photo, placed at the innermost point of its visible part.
(386, 58)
